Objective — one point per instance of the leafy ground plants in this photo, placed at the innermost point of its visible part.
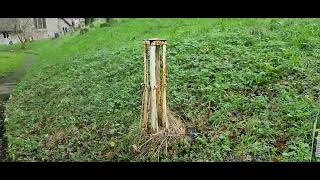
(247, 90)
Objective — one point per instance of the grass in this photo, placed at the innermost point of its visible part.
(9, 62)
(249, 88)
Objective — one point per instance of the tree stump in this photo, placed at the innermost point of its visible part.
(154, 106)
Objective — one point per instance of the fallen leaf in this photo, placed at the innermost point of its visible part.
(275, 159)
(238, 113)
(79, 125)
(280, 144)
(215, 136)
(135, 148)
(110, 155)
(223, 128)
(233, 119)
(170, 151)
(232, 135)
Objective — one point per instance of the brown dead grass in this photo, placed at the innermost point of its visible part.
(153, 145)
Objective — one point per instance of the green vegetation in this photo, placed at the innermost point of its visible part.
(250, 88)
(9, 61)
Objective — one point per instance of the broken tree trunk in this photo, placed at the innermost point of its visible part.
(154, 95)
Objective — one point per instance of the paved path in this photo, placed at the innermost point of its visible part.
(7, 84)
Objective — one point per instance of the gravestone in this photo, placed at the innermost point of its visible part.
(56, 35)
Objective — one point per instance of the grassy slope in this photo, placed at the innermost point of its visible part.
(249, 86)
(9, 61)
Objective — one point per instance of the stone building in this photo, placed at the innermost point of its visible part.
(34, 28)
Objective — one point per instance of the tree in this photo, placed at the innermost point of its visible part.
(23, 29)
(88, 21)
(108, 20)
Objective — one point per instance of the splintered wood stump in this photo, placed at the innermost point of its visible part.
(154, 107)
